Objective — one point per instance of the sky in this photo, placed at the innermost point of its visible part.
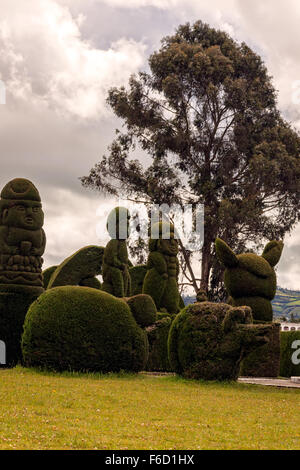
(58, 58)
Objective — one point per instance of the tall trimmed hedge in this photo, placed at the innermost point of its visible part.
(158, 333)
(290, 354)
(82, 329)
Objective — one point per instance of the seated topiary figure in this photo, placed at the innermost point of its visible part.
(163, 268)
(81, 268)
(82, 329)
(250, 279)
(208, 340)
(116, 278)
(22, 244)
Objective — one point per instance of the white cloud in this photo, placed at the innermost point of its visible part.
(44, 60)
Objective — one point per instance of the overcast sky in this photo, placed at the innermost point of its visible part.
(58, 58)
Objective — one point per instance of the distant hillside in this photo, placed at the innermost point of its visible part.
(287, 303)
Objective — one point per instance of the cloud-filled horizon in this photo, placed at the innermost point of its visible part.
(58, 58)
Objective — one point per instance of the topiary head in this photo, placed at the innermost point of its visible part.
(163, 238)
(118, 223)
(250, 275)
(21, 205)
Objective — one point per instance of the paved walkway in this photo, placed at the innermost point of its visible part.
(269, 382)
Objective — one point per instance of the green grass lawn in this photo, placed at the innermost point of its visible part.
(73, 411)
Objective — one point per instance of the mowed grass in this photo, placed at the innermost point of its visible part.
(73, 411)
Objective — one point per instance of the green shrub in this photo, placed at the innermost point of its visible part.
(158, 343)
(137, 275)
(264, 361)
(250, 279)
(85, 263)
(47, 273)
(91, 282)
(13, 309)
(82, 329)
(208, 341)
(143, 309)
(288, 348)
(162, 269)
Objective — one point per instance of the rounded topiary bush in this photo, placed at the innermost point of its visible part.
(289, 353)
(143, 309)
(82, 329)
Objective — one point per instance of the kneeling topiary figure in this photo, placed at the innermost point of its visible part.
(250, 279)
(116, 277)
(163, 268)
(82, 329)
(208, 340)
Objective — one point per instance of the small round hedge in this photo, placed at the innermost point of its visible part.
(288, 352)
(82, 329)
(143, 309)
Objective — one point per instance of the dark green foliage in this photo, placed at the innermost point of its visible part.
(137, 275)
(82, 329)
(22, 238)
(158, 343)
(143, 309)
(91, 282)
(162, 270)
(264, 361)
(47, 273)
(289, 345)
(13, 309)
(208, 341)
(85, 263)
(206, 114)
(201, 296)
(116, 277)
(250, 279)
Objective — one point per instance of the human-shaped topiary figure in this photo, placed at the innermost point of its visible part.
(250, 279)
(209, 340)
(163, 268)
(115, 273)
(22, 244)
(22, 239)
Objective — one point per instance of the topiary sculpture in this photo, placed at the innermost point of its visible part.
(82, 329)
(47, 273)
(116, 278)
(163, 268)
(22, 244)
(81, 268)
(142, 308)
(137, 276)
(208, 340)
(250, 279)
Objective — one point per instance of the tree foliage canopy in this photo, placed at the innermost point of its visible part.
(206, 117)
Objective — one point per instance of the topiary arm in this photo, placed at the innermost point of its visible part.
(157, 261)
(4, 247)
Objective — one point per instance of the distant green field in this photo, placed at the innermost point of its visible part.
(77, 411)
(286, 304)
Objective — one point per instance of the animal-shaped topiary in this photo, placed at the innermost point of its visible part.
(250, 279)
(163, 268)
(115, 273)
(208, 340)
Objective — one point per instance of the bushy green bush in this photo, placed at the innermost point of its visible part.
(137, 275)
(47, 273)
(84, 263)
(264, 361)
(13, 309)
(250, 279)
(82, 329)
(158, 343)
(208, 341)
(143, 309)
(289, 345)
(163, 268)
(91, 282)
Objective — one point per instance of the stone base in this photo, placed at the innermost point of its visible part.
(265, 360)
(295, 380)
(13, 309)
